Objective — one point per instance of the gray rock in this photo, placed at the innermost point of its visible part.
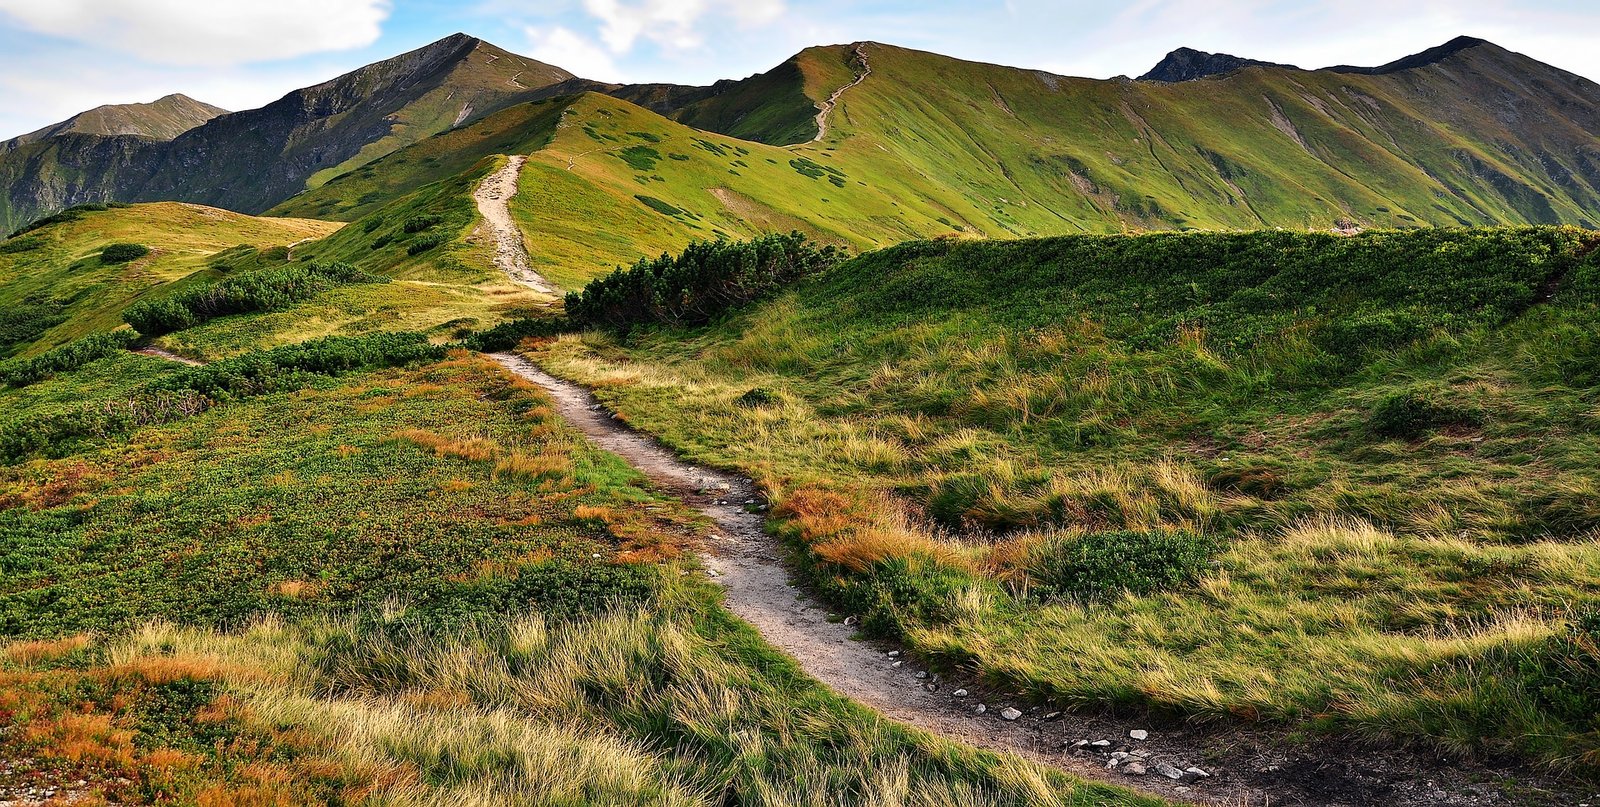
(1139, 734)
(1196, 773)
(1051, 716)
(922, 675)
(1134, 769)
(897, 664)
(981, 709)
(1101, 743)
(1010, 713)
(1079, 744)
(960, 693)
(1170, 771)
(894, 654)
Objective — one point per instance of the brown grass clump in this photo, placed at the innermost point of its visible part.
(533, 467)
(296, 589)
(30, 653)
(859, 532)
(476, 449)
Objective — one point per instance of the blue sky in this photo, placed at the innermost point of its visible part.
(59, 57)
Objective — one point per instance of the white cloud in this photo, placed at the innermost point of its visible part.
(570, 51)
(206, 32)
(674, 24)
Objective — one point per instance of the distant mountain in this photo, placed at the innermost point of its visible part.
(249, 161)
(162, 119)
(1464, 134)
(1188, 64)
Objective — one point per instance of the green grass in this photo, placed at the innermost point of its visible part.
(61, 290)
(404, 586)
(1045, 408)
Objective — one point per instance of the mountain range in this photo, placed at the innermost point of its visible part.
(916, 144)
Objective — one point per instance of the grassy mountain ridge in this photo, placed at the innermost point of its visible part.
(249, 161)
(162, 119)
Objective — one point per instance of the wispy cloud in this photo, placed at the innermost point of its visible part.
(206, 32)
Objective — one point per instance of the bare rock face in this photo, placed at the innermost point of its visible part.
(1188, 64)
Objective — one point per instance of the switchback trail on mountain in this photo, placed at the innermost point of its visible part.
(494, 204)
(825, 108)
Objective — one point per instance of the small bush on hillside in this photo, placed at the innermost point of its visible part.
(26, 321)
(700, 283)
(19, 245)
(123, 253)
(1105, 564)
(1410, 414)
(1564, 672)
(417, 224)
(757, 398)
(640, 158)
(508, 335)
(71, 356)
(426, 242)
(262, 290)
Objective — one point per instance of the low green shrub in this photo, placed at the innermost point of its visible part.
(1563, 673)
(195, 389)
(19, 245)
(509, 334)
(68, 357)
(418, 223)
(757, 398)
(261, 290)
(1104, 564)
(705, 280)
(425, 242)
(123, 253)
(1411, 414)
(23, 323)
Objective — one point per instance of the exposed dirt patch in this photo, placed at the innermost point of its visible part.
(158, 353)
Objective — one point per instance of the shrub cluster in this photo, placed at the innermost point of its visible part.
(1564, 672)
(702, 282)
(1103, 564)
(425, 242)
(508, 335)
(123, 253)
(24, 322)
(1411, 414)
(71, 356)
(262, 290)
(193, 390)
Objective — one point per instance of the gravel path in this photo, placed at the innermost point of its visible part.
(158, 353)
(1246, 766)
(494, 199)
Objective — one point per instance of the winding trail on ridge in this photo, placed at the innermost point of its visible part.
(494, 204)
(825, 108)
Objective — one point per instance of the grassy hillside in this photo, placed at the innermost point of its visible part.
(55, 286)
(1338, 483)
(927, 145)
(410, 585)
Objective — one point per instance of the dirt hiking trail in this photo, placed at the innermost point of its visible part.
(825, 108)
(1244, 767)
(494, 204)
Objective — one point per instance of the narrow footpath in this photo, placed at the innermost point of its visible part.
(494, 204)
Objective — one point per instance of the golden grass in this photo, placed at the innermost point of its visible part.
(35, 652)
(477, 449)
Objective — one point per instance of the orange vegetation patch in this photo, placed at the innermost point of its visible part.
(30, 653)
(534, 467)
(476, 449)
(859, 532)
(296, 589)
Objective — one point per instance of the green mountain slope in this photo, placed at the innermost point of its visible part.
(924, 145)
(249, 161)
(54, 286)
(162, 119)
